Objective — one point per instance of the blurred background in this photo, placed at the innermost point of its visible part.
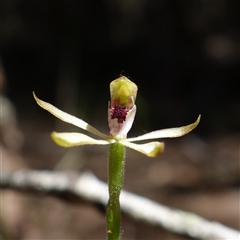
(183, 55)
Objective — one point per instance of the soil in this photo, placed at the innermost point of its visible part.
(201, 176)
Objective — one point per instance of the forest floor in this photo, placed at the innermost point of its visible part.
(200, 176)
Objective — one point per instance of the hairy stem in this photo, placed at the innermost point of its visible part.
(115, 181)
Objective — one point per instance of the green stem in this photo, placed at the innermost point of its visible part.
(115, 181)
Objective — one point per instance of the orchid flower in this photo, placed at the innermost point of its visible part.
(121, 113)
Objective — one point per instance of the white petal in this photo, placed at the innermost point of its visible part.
(75, 139)
(68, 118)
(167, 133)
(120, 130)
(151, 149)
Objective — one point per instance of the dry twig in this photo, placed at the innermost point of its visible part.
(87, 187)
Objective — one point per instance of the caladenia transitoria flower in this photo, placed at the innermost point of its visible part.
(121, 113)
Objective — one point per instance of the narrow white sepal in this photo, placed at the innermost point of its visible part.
(76, 139)
(151, 149)
(69, 118)
(167, 133)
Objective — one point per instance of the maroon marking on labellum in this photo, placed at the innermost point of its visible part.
(119, 112)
